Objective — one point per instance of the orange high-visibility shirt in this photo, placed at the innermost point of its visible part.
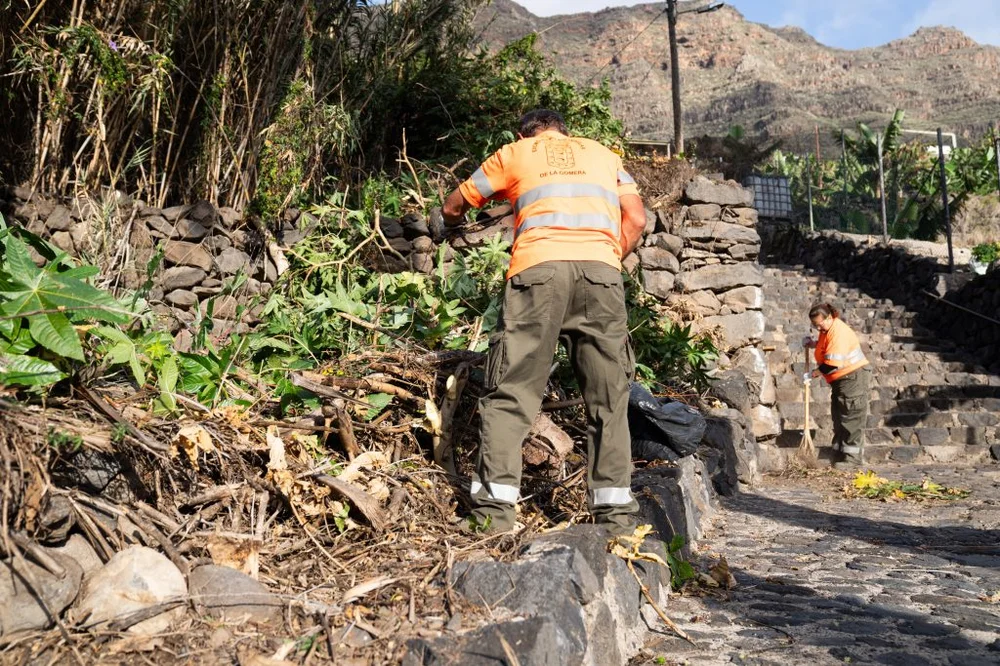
(840, 348)
(565, 194)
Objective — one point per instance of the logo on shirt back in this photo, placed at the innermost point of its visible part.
(559, 155)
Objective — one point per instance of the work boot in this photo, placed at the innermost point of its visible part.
(848, 458)
(619, 524)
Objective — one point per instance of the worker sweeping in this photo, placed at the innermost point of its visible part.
(844, 366)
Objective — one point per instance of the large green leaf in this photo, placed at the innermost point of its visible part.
(27, 371)
(54, 332)
(35, 290)
(18, 261)
(167, 382)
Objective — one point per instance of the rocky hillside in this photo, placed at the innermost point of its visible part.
(776, 81)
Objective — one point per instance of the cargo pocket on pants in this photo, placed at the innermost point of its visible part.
(605, 298)
(628, 360)
(496, 360)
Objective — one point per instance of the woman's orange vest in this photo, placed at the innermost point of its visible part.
(840, 348)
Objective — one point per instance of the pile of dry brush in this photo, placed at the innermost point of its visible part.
(351, 522)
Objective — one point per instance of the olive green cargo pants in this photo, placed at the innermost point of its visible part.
(849, 408)
(583, 304)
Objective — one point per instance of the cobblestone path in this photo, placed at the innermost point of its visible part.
(823, 579)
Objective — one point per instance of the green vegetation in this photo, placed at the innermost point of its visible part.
(986, 253)
(846, 191)
(336, 109)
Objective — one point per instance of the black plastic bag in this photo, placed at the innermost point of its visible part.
(661, 428)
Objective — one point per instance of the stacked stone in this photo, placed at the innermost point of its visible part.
(411, 237)
(203, 248)
(703, 259)
(912, 274)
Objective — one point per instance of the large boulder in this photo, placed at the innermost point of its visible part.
(183, 253)
(743, 298)
(233, 595)
(133, 580)
(737, 330)
(669, 242)
(726, 431)
(181, 277)
(26, 607)
(567, 578)
(231, 261)
(766, 422)
(729, 193)
(658, 283)
(704, 212)
(721, 278)
(656, 258)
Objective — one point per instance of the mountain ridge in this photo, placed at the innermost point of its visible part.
(776, 82)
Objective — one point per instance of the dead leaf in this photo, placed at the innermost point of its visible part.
(192, 440)
(720, 574)
(276, 450)
(240, 554)
(364, 588)
(367, 460)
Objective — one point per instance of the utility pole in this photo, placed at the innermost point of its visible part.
(675, 76)
(996, 151)
(675, 66)
(944, 201)
(881, 187)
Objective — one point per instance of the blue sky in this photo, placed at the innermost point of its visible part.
(848, 24)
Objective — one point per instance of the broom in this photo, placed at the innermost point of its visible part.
(806, 452)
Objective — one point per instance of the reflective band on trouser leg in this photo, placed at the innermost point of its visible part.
(625, 179)
(612, 496)
(569, 221)
(482, 183)
(496, 491)
(566, 191)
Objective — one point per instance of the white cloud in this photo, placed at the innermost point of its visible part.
(978, 19)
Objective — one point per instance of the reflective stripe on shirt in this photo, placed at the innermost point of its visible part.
(482, 183)
(566, 191)
(569, 221)
(625, 179)
(856, 356)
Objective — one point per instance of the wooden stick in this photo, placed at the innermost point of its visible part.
(211, 495)
(444, 451)
(346, 432)
(324, 391)
(365, 503)
(663, 616)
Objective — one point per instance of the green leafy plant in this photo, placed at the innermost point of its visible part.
(39, 311)
(986, 253)
(681, 570)
(64, 442)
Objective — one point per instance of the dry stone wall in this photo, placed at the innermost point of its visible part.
(959, 307)
(716, 277)
(205, 249)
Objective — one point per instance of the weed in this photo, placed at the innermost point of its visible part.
(64, 442)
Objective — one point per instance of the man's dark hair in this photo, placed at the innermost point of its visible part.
(539, 120)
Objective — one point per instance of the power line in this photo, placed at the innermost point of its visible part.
(632, 41)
